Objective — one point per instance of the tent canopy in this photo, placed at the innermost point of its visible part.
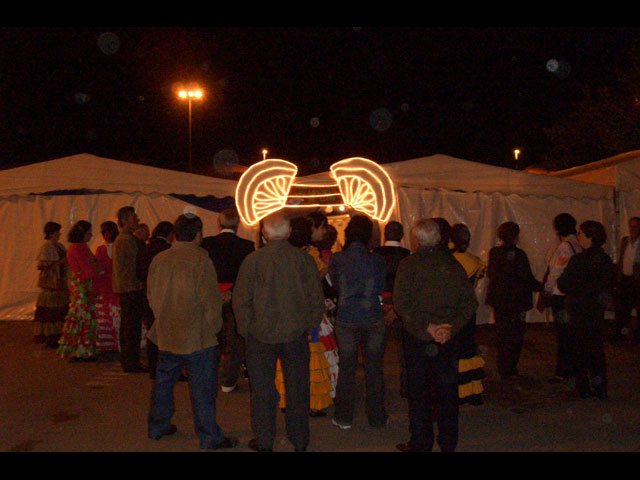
(85, 171)
(454, 174)
(621, 171)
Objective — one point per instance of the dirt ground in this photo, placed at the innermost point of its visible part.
(50, 405)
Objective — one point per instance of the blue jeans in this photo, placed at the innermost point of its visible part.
(372, 337)
(203, 386)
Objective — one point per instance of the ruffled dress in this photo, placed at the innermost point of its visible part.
(470, 362)
(80, 331)
(107, 303)
(323, 361)
(51, 305)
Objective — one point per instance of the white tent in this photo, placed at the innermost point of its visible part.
(483, 196)
(89, 188)
(621, 174)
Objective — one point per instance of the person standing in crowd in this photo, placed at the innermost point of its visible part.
(470, 362)
(107, 302)
(321, 387)
(565, 226)
(359, 278)
(586, 281)
(434, 299)
(130, 290)
(510, 294)
(52, 304)
(160, 240)
(79, 339)
(628, 282)
(278, 301)
(183, 293)
(227, 251)
(393, 253)
(142, 233)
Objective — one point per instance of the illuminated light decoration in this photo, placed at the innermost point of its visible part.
(268, 186)
(263, 189)
(365, 187)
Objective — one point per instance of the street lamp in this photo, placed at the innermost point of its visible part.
(264, 153)
(190, 95)
(516, 153)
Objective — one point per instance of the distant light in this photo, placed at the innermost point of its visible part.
(264, 153)
(183, 94)
(516, 153)
(341, 208)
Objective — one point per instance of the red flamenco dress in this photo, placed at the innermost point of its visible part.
(79, 339)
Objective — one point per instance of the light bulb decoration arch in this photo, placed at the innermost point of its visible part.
(269, 186)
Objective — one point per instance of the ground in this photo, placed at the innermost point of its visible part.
(51, 405)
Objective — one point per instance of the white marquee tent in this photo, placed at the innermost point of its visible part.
(93, 188)
(621, 174)
(483, 196)
(89, 188)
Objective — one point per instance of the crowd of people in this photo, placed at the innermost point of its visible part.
(293, 314)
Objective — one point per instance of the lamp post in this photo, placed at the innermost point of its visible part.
(190, 95)
(516, 152)
(264, 154)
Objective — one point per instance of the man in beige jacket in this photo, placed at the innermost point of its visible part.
(183, 293)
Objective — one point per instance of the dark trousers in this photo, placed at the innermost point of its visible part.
(587, 351)
(372, 338)
(232, 348)
(261, 364)
(131, 312)
(510, 330)
(432, 375)
(627, 299)
(203, 386)
(563, 359)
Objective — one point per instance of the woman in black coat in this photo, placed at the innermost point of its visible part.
(510, 294)
(586, 281)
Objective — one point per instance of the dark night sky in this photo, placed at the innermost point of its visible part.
(310, 95)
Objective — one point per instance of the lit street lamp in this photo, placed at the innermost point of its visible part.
(264, 154)
(189, 95)
(516, 153)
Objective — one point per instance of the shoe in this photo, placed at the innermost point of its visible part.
(227, 442)
(342, 425)
(228, 389)
(406, 447)
(556, 379)
(317, 413)
(253, 445)
(172, 429)
(136, 369)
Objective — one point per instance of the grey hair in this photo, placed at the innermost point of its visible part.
(276, 226)
(427, 232)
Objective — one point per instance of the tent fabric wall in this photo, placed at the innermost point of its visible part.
(620, 173)
(25, 208)
(22, 219)
(484, 196)
(483, 213)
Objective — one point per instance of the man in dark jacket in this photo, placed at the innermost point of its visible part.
(227, 251)
(435, 300)
(278, 301)
(628, 296)
(160, 240)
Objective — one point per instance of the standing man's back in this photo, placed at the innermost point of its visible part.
(186, 303)
(278, 300)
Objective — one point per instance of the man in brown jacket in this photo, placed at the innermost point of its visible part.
(435, 300)
(278, 300)
(183, 293)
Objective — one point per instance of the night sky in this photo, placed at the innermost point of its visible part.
(310, 95)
